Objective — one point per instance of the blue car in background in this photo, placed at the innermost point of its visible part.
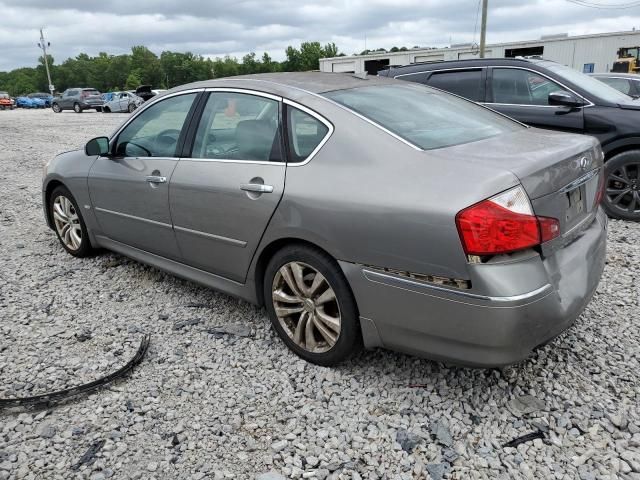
(25, 102)
(107, 97)
(47, 98)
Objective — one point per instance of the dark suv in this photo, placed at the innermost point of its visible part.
(78, 99)
(548, 95)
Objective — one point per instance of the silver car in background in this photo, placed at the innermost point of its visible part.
(358, 211)
(122, 102)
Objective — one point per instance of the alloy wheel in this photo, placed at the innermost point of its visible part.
(67, 222)
(623, 188)
(306, 307)
(56, 108)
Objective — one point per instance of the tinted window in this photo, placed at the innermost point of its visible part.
(521, 87)
(427, 118)
(466, 83)
(239, 126)
(305, 133)
(155, 132)
(621, 84)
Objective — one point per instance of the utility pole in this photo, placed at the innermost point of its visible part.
(43, 45)
(483, 28)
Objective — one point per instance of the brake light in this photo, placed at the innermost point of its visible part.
(600, 191)
(502, 224)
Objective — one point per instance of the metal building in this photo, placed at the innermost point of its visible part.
(586, 53)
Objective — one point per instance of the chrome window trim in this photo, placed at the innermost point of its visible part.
(148, 104)
(133, 217)
(318, 117)
(247, 91)
(227, 240)
(441, 70)
(232, 160)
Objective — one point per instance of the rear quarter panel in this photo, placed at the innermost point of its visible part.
(368, 198)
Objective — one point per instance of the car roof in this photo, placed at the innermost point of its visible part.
(312, 82)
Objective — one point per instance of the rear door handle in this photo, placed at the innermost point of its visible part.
(156, 179)
(256, 187)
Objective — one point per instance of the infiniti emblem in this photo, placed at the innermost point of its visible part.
(584, 163)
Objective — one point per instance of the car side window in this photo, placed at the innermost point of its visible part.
(305, 134)
(621, 84)
(466, 83)
(155, 131)
(239, 126)
(521, 87)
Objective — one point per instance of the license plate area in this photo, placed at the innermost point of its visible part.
(576, 202)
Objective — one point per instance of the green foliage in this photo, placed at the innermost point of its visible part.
(143, 67)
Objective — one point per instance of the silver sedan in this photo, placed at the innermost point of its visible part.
(358, 211)
(122, 102)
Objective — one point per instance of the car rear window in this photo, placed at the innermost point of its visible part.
(424, 117)
(91, 91)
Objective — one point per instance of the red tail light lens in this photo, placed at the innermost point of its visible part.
(600, 192)
(502, 224)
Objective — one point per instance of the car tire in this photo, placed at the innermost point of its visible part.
(131, 108)
(621, 197)
(106, 110)
(68, 223)
(98, 109)
(56, 108)
(332, 303)
(77, 108)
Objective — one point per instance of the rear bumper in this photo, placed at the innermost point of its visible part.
(524, 304)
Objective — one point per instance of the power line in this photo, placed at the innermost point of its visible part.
(605, 6)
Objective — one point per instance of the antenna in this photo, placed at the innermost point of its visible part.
(43, 45)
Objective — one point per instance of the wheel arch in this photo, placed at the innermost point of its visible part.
(620, 146)
(51, 186)
(270, 250)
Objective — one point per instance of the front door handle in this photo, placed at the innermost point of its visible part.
(156, 179)
(256, 187)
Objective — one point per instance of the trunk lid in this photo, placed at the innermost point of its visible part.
(560, 172)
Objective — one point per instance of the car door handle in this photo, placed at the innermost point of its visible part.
(256, 187)
(156, 179)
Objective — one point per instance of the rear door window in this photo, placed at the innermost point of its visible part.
(466, 83)
(239, 126)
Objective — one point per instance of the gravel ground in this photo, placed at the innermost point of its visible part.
(240, 405)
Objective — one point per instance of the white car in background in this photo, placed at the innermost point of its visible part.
(123, 102)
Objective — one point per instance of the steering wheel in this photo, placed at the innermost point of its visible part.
(167, 139)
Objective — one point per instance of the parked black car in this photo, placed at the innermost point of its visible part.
(627, 83)
(78, 99)
(548, 95)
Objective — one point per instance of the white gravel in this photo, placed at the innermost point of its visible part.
(234, 406)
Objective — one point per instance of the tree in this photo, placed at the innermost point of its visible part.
(133, 81)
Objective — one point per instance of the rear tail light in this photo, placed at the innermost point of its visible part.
(502, 224)
(600, 192)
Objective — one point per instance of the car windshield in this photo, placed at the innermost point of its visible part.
(590, 84)
(425, 117)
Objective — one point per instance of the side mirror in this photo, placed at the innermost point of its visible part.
(564, 99)
(98, 146)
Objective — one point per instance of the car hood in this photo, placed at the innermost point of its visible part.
(631, 104)
(543, 160)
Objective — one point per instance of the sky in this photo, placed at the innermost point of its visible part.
(216, 28)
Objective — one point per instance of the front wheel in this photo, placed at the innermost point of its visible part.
(77, 108)
(68, 222)
(311, 305)
(622, 186)
(131, 108)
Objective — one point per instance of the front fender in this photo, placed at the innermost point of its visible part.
(626, 143)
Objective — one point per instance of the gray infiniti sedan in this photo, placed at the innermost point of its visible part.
(359, 211)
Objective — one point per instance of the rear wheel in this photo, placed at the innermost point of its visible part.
(311, 305)
(77, 108)
(106, 110)
(68, 223)
(56, 108)
(98, 109)
(622, 186)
